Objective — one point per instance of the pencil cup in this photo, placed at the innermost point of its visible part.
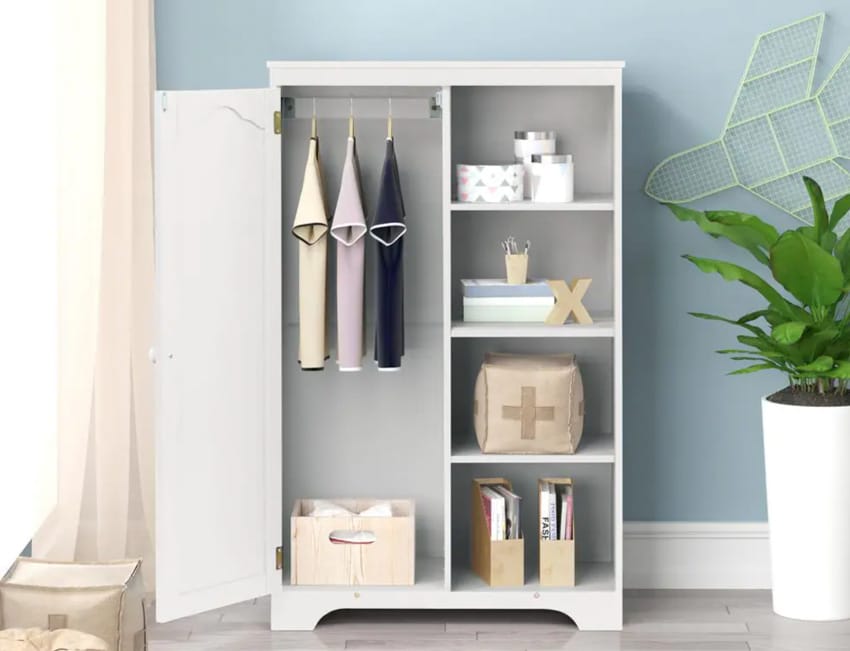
(516, 268)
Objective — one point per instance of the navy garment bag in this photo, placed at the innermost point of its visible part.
(388, 229)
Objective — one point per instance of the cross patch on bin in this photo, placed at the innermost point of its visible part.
(528, 413)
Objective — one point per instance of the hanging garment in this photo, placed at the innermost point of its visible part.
(311, 229)
(388, 229)
(348, 229)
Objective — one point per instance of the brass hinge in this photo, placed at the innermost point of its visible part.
(277, 122)
(278, 558)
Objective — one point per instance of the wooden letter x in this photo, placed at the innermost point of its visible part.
(568, 300)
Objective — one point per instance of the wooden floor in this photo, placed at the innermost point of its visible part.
(665, 619)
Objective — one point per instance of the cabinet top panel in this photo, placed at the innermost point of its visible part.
(445, 73)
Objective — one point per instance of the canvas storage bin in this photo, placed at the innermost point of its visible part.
(528, 404)
(36, 639)
(105, 600)
(386, 557)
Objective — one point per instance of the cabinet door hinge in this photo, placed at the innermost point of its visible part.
(278, 558)
(277, 122)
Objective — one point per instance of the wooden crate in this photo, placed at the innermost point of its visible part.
(389, 560)
(498, 562)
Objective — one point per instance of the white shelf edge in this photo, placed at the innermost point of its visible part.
(600, 328)
(587, 203)
(594, 448)
(591, 577)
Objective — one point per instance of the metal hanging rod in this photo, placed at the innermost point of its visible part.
(361, 108)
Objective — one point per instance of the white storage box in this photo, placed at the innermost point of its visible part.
(527, 143)
(102, 599)
(381, 551)
(551, 178)
(490, 183)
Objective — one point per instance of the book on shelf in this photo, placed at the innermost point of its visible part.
(545, 522)
(556, 511)
(494, 512)
(499, 287)
(561, 493)
(512, 512)
(508, 301)
(553, 512)
(506, 313)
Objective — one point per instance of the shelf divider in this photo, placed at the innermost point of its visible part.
(582, 203)
(601, 327)
(593, 448)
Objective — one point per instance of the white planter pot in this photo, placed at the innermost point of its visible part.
(807, 466)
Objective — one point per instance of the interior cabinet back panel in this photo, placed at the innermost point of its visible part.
(354, 435)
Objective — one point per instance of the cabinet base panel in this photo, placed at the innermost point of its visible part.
(302, 609)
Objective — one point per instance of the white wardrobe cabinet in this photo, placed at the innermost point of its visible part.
(242, 432)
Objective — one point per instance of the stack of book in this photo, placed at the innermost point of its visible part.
(489, 300)
(501, 510)
(556, 511)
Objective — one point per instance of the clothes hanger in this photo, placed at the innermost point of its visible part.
(314, 129)
(350, 117)
(389, 118)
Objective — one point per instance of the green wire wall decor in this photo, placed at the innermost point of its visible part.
(777, 131)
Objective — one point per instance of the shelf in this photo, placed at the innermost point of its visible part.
(583, 203)
(590, 577)
(603, 327)
(594, 448)
(428, 575)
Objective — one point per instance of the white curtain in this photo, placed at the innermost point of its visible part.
(105, 427)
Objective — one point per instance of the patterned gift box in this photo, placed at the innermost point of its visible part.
(490, 183)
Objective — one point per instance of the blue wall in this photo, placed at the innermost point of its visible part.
(692, 435)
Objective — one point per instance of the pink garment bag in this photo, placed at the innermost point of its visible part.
(348, 229)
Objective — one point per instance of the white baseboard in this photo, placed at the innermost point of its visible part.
(697, 555)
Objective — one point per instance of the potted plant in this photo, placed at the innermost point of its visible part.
(803, 332)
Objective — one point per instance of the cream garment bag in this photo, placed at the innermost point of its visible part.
(311, 229)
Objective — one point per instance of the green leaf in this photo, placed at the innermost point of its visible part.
(816, 343)
(774, 318)
(743, 235)
(789, 332)
(818, 206)
(714, 317)
(841, 370)
(752, 316)
(809, 231)
(763, 360)
(839, 209)
(766, 354)
(822, 364)
(763, 344)
(765, 233)
(842, 252)
(733, 272)
(753, 369)
(827, 242)
(808, 272)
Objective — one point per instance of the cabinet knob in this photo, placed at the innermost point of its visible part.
(152, 355)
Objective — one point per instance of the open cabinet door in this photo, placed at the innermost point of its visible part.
(217, 352)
